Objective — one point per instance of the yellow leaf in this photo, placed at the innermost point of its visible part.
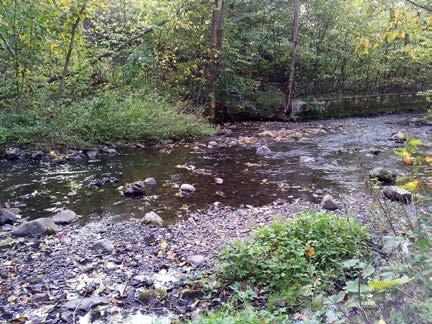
(407, 159)
(310, 251)
(160, 254)
(412, 185)
(164, 245)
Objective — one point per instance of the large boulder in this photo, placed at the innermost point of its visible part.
(134, 190)
(64, 217)
(38, 227)
(152, 219)
(397, 194)
(7, 217)
(329, 203)
(382, 175)
(263, 151)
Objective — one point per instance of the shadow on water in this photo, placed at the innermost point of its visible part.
(248, 179)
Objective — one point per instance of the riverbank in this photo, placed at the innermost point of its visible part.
(62, 277)
(109, 118)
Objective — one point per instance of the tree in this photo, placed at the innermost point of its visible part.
(74, 29)
(295, 37)
(216, 53)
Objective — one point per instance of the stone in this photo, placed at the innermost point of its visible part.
(7, 217)
(46, 158)
(13, 153)
(134, 190)
(397, 194)
(92, 154)
(98, 183)
(150, 182)
(111, 151)
(85, 304)
(64, 217)
(219, 181)
(152, 218)
(196, 260)
(37, 155)
(263, 151)
(38, 227)
(399, 137)
(187, 187)
(104, 246)
(329, 203)
(75, 157)
(212, 144)
(383, 176)
(307, 159)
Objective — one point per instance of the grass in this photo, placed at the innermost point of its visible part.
(110, 116)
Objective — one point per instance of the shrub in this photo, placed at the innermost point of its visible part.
(296, 255)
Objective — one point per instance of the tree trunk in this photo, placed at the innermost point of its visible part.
(290, 84)
(216, 53)
(70, 49)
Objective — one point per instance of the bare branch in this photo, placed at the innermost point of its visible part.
(424, 7)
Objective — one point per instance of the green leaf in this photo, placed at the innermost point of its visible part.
(386, 284)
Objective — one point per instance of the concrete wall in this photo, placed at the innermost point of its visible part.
(359, 105)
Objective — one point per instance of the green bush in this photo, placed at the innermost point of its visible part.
(269, 100)
(296, 256)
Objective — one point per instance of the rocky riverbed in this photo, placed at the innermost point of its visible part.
(105, 262)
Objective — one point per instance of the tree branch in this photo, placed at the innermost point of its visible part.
(424, 7)
(6, 45)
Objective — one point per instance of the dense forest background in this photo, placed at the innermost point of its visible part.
(74, 61)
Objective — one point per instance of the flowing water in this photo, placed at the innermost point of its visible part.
(345, 155)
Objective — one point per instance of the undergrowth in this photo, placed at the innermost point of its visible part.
(321, 269)
(110, 116)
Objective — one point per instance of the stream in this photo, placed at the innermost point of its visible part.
(346, 149)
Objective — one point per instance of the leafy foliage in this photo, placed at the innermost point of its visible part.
(295, 258)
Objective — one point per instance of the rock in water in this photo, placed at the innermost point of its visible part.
(383, 176)
(196, 260)
(104, 246)
(38, 227)
(92, 154)
(307, 159)
(329, 203)
(111, 151)
(219, 181)
(135, 189)
(187, 188)
(13, 153)
(263, 151)
(150, 182)
(399, 137)
(7, 217)
(64, 217)
(397, 194)
(153, 219)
